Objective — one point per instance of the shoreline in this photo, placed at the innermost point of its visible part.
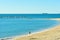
(19, 36)
(37, 34)
(31, 33)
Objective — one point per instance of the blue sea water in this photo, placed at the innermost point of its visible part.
(12, 27)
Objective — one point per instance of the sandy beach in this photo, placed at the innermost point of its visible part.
(52, 34)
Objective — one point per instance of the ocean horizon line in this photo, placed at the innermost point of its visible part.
(30, 15)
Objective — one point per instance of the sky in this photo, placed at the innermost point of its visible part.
(29, 6)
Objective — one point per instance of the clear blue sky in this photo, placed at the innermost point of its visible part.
(29, 6)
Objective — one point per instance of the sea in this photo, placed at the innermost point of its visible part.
(21, 24)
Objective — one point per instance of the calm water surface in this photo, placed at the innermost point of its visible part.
(12, 27)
